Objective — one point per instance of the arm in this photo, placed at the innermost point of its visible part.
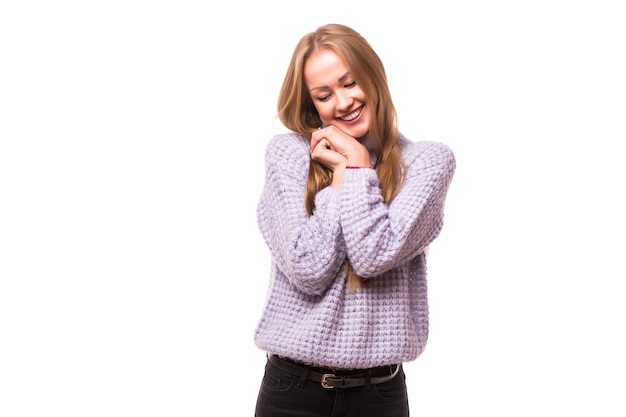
(308, 250)
(380, 237)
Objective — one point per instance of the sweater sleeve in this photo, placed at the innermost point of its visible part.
(378, 236)
(308, 250)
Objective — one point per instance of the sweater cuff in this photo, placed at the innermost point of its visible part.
(359, 179)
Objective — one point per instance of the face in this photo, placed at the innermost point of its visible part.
(336, 96)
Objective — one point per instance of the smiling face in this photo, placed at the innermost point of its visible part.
(336, 96)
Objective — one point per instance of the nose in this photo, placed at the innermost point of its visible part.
(344, 101)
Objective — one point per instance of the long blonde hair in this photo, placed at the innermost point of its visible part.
(297, 112)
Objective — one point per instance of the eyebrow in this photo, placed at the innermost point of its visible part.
(325, 87)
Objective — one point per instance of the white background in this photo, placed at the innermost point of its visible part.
(131, 159)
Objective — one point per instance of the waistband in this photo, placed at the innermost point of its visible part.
(329, 378)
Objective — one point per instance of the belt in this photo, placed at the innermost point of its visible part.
(329, 379)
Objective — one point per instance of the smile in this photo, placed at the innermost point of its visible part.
(353, 115)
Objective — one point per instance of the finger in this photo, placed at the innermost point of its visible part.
(316, 137)
(322, 144)
(320, 149)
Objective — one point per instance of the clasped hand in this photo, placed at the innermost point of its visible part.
(332, 147)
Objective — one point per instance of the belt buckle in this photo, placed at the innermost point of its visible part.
(324, 378)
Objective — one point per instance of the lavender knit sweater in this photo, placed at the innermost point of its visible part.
(309, 315)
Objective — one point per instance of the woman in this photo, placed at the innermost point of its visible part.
(348, 210)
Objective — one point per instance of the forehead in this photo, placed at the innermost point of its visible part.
(324, 68)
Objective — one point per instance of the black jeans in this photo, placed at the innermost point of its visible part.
(285, 395)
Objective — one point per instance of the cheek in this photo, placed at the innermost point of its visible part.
(323, 110)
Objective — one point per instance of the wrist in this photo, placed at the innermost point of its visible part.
(338, 172)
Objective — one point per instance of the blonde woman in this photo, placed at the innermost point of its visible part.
(348, 210)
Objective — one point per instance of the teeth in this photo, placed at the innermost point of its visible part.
(352, 115)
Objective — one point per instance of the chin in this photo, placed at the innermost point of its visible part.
(361, 129)
(358, 132)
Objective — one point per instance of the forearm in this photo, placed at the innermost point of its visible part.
(309, 250)
(382, 236)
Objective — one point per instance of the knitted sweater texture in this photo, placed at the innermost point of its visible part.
(309, 314)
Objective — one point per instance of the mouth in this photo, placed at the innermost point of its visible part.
(352, 116)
